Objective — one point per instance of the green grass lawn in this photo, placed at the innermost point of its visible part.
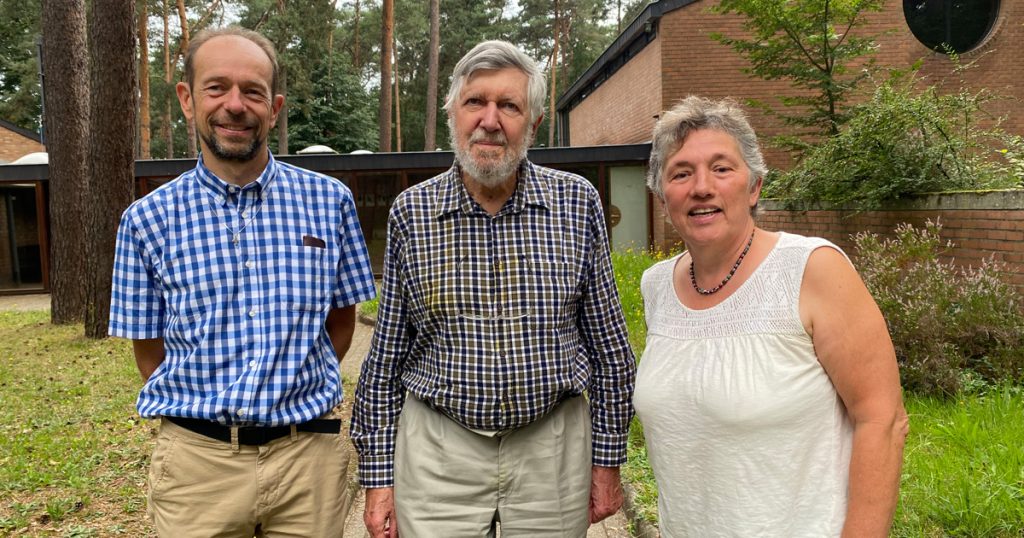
(73, 452)
(963, 472)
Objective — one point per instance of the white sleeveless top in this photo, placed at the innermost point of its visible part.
(745, 432)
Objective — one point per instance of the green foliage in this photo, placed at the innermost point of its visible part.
(812, 44)
(337, 112)
(629, 266)
(945, 321)
(20, 101)
(903, 140)
(1013, 154)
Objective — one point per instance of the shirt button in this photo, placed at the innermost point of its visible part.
(252, 364)
(252, 313)
(232, 189)
(245, 213)
(250, 264)
(241, 412)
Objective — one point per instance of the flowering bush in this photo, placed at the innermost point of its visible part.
(947, 323)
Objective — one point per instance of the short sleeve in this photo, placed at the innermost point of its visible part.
(136, 305)
(355, 278)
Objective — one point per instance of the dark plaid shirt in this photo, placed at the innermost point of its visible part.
(493, 321)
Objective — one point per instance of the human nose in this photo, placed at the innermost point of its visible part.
(702, 183)
(233, 103)
(490, 121)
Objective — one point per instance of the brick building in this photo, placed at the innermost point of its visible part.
(666, 53)
(16, 142)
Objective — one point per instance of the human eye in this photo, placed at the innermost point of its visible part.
(474, 102)
(510, 108)
(681, 174)
(214, 88)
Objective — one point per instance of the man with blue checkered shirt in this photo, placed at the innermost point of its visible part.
(237, 283)
(498, 313)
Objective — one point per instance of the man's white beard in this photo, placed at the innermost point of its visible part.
(489, 173)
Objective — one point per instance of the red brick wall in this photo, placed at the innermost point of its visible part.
(692, 63)
(605, 117)
(979, 225)
(14, 145)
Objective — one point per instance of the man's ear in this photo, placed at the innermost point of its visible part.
(536, 123)
(275, 107)
(184, 99)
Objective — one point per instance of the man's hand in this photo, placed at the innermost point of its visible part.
(605, 492)
(379, 513)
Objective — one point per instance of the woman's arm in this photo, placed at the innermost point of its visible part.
(853, 345)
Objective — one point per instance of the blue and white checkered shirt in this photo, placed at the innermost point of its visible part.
(238, 282)
(493, 321)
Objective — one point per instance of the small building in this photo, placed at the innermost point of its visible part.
(667, 53)
(17, 141)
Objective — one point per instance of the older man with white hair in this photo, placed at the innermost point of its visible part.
(497, 388)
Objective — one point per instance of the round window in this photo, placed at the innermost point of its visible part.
(956, 25)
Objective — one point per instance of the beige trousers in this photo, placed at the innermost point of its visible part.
(452, 482)
(293, 486)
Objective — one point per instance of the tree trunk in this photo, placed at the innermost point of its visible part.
(183, 20)
(398, 108)
(430, 122)
(66, 72)
(386, 38)
(144, 124)
(282, 117)
(330, 38)
(554, 78)
(355, 46)
(111, 135)
(168, 128)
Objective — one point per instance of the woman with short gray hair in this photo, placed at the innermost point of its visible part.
(768, 389)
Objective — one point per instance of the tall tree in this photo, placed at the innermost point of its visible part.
(339, 113)
(183, 24)
(168, 100)
(812, 44)
(433, 52)
(144, 127)
(355, 46)
(553, 65)
(111, 139)
(579, 31)
(386, 41)
(66, 72)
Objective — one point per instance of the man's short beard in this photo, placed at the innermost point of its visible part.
(245, 155)
(489, 174)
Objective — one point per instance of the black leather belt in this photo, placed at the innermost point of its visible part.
(255, 435)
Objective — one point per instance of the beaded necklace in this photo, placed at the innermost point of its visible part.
(735, 266)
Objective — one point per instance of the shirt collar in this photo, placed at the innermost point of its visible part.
(220, 189)
(531, 189)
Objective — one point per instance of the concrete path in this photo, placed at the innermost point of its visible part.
(25, 303)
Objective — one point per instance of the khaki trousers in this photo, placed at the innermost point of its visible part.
(293, 486)
(452, 482)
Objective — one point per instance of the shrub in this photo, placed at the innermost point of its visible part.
(946, 321)
(902, 141)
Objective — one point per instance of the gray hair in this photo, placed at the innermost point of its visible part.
(499, 55)
(695, 113)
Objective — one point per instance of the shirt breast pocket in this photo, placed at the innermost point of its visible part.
(302, 279)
